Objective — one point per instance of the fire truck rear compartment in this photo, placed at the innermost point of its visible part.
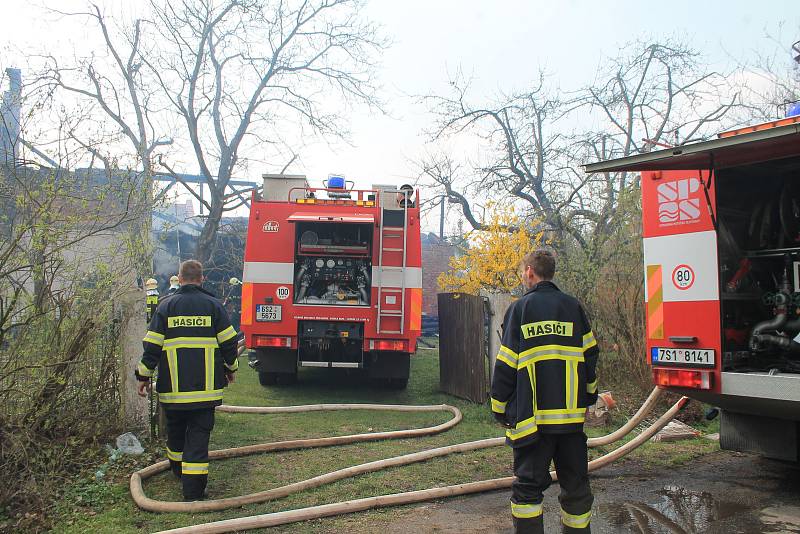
(758, 216)
(330, 344)
(340, 344)
(332, 264)
(758, 210)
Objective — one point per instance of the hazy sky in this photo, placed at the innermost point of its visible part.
(502, 44)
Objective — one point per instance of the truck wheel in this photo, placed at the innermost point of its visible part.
(397, 383)
(267, 379)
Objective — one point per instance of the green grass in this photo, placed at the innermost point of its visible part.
(108, 507)
(428, 342)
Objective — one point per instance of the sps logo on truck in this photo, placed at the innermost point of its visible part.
(271, 226)
(678, 202)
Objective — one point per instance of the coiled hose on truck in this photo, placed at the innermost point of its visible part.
(357, 505)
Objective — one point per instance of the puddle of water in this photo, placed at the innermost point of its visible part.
(678, 511)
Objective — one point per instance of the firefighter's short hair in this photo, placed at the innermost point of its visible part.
(542, 262)
(191, 271)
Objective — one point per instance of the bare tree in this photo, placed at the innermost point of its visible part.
(513, 164)
(120, 130)
(238, 72)
(116, 87)
(657, 94)
(771, 81)
(534, 144)
(230, 80)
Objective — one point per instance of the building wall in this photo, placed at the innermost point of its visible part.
(436, 256)
(10, 110)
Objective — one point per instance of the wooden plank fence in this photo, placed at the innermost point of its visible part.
(462, 361)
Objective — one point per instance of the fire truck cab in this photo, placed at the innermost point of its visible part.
(332, 278)
(721, 231)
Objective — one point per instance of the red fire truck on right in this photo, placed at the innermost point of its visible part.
(721, 232)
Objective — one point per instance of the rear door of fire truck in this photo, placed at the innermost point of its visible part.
(681, 278)
(721, 237)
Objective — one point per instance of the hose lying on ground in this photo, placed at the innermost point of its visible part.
(632, 423)
(410, 497)
(152, 505)
(280, 518)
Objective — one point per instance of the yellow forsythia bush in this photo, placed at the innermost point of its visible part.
(493, 257)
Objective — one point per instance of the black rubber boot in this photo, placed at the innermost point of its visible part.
(201, 497)
(531, 525)
(194, 487)
(571, 530)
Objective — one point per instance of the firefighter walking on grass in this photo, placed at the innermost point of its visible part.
(192, 342)
(544, 379)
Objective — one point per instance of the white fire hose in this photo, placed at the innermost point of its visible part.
(409, 497)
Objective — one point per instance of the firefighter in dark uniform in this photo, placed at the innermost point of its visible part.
(193, 344)
(544, 379)
(151, 302)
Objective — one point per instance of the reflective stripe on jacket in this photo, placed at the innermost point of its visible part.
(193, 344)
(544, 376)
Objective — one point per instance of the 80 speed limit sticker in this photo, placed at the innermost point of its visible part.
(683, 277)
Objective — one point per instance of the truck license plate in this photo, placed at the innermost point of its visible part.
(683, 357)
(268, 313)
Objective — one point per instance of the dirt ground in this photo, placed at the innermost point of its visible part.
(718, 493)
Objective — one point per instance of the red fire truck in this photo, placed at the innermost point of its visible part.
(332, 278)
(721, 228)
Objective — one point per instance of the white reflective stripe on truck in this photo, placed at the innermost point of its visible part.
(268, 272)
(695, 251)
(392, 277)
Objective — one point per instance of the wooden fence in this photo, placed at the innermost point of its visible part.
(462, 360)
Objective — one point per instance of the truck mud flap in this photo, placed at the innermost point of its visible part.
(275, 360)
(388, 364)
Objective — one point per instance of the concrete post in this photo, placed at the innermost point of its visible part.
(135, 409)
(498, 304)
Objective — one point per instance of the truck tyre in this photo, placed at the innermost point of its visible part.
(267, 378)
(397, 383)
(276, 366)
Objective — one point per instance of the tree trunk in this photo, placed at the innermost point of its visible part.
(132, 308)
(208, 236)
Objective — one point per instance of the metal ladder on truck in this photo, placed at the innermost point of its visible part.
(393, 233)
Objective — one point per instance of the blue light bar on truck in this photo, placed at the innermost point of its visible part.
(336, 182)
